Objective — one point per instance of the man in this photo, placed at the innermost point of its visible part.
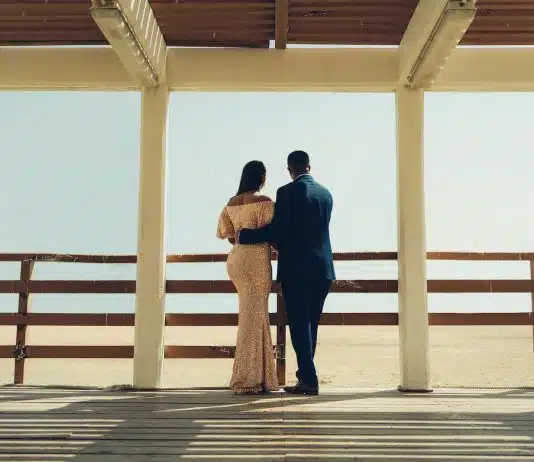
(300, 232)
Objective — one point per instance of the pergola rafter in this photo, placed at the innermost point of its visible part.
(281, 23)
(436, 28)
(251, 23)
(133, 32)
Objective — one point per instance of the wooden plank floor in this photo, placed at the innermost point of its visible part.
(361, 425)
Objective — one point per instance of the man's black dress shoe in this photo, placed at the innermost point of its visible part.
(302, 389)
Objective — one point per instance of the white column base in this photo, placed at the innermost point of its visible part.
(151, 254)
(413, 311)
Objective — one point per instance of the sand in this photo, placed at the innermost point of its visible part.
(347, 357)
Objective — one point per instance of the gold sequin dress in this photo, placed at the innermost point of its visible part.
(249, 268)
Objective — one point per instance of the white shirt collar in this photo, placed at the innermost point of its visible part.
(302, 174)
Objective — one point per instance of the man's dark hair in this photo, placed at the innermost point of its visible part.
(298, 161)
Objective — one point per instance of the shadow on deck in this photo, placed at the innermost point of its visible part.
(213, 425)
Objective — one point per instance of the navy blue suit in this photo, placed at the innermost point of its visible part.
(300, 232)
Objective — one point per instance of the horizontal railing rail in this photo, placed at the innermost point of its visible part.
(220, 257)
(25, 286)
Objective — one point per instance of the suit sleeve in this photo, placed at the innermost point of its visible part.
(276, 231)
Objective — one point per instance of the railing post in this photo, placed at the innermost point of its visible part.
(280, 339)
(26, 269)
(532, 299)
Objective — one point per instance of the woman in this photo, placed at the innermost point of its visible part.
(249, 268)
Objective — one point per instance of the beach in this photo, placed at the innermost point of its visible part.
(367, 356)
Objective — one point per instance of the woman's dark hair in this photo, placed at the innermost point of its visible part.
(252, 177)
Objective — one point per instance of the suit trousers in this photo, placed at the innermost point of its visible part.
(304, 302)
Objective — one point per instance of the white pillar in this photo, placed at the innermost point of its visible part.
(151, 252)
(413, 311)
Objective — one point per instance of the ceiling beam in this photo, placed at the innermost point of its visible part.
(317, 69)
(190, 69)
(434, 31)
(133, 32)
(367, 70)
(281, 23)
(495, 69)
(63, 68)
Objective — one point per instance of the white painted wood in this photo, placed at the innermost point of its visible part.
(413, 312)
(140, 16)
(131, 29)
(435, 29)
(497, 69)
(96, 69)
(371, 70)
(151, 260)
(424, 18)
(351, 70)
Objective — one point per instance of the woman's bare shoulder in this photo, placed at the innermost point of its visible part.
(235, 200)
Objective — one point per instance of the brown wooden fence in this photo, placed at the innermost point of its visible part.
(25, 286)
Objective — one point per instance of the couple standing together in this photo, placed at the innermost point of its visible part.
(297, 227)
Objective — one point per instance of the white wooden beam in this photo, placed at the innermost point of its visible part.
(77, 69)
(413, 312)
(435, 29)
(487, 69)
(293, 70)
(322, 70)
(133, 32)
(204, 70)
(150, 287)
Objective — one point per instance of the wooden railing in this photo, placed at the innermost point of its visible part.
(25, 286)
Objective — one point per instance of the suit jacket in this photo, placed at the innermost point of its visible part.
(300, 231)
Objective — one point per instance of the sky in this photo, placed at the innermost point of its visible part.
(70, 166)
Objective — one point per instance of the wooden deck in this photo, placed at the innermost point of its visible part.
(105, 426)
